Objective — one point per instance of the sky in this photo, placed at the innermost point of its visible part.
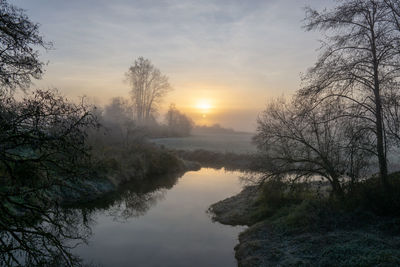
(225, 59)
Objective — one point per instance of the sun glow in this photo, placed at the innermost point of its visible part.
(204, 106)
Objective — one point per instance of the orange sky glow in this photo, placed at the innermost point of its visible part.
(224, 59)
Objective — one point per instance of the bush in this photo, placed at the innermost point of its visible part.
(136, 162)
(276, 195)
(370, 195)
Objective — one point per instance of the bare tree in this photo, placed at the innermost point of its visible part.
(19, 61)
(359, 64)
(149, 86)
(42, 147)
(394, 5)
(297, 141)
(43, 133)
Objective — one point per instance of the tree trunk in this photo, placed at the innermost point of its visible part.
(380, 144)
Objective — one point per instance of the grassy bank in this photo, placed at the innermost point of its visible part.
(238, 143)
(111, 168)
(232, 151)
(115, 166)
(296, 226)
(217, 160)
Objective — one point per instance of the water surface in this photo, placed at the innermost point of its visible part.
(165, 225)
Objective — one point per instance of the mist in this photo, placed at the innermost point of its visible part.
(240, 55)
(199, 133)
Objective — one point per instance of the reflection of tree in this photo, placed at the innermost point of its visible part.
(135, 198)
(136, 204)
(44, 241)
(42, 147)
(33, 237)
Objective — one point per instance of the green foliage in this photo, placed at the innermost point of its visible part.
(300, 207)
(301, 216)
(310, 229)
(159, 161)
(371, 195)
(277, 195)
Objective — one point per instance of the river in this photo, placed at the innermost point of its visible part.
(164, 223)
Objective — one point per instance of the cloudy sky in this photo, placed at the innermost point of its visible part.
(234, 55)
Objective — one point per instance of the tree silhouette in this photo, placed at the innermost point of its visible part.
(149, 86)
(19, 61)
(360, 65)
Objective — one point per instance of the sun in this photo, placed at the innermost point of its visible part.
(204, 106)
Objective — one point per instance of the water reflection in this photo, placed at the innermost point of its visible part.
(45, 237)
(162, 224)
(133, 199)
(176, 231)
(45, 241)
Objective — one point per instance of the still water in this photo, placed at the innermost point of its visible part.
(164, 224)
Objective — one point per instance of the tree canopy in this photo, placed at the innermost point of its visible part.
(19, 55)
(360, 65)
(149, 86)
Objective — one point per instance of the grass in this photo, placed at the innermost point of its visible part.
(239, 143)
(295, 226)
(136, 162)
(232, 151)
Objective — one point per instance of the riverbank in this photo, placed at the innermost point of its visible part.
(117, 167)
(218, 160)
(310, 233)
(231, 151)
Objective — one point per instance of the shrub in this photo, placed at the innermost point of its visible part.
(277, 194)
(370, 195)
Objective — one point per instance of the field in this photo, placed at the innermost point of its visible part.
(219, 142)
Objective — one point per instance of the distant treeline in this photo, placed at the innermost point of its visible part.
(215, 128)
